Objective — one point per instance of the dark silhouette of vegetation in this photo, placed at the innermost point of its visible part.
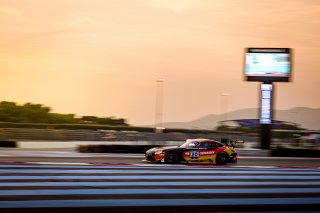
(108, 121)
(37, 113)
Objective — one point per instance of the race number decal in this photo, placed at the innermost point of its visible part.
(194, 154)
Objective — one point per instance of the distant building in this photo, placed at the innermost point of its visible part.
(254, 123)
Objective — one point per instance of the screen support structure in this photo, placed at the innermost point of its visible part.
(267, 65)
(266, 113)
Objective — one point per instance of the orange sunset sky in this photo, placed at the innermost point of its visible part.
(102, 57)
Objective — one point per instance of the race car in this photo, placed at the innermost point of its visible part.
(199, 151)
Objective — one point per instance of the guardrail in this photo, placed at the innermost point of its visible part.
(108, 135)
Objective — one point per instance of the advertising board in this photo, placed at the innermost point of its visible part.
(266, 104)
(268, 64)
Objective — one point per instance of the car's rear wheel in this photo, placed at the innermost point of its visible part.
(171, 157)
(221, 159)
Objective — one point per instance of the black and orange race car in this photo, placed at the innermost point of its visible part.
(199, 151)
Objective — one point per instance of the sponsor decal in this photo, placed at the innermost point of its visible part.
(194, 154)
(186, 153)
(207, 152)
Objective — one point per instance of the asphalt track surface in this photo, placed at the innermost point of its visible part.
(19, 155)
(157, 188)
(67, 181)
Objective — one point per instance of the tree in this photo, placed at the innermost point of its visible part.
(38, 113)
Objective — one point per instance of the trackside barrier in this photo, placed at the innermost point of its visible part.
(8, 144)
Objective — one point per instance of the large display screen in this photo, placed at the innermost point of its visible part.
(268, 64)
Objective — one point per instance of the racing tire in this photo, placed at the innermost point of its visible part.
(221, 159)
(171, 158)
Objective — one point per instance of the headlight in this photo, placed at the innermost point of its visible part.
(158, 152)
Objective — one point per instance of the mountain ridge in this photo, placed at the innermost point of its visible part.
(305, 117)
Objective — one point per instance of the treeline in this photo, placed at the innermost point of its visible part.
(37, 113)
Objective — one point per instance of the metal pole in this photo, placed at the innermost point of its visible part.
(159, 103)
(224, 107)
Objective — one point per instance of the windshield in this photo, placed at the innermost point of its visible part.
(190, 144)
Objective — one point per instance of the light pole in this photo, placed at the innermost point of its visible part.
(159, 104)
(223, 106)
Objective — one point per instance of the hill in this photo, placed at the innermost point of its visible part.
(306, 117)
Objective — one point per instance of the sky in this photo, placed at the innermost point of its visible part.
(103, 57)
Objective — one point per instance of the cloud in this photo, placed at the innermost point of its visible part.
(7, 11)
(180, 6)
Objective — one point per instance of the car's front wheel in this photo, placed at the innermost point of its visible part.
(171, 157)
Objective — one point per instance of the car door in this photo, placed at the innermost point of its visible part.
(208, 154)
(191, 153)
(206, 151)
(202, 152)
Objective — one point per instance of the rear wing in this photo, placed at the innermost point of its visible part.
(231, 142)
